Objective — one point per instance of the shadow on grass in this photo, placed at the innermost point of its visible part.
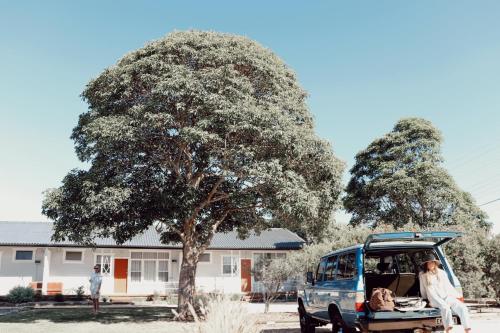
(293, 330)
(106, 316)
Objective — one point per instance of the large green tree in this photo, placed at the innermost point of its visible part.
(399, 179)
(195, 133)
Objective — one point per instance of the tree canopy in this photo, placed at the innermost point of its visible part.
(399, 179)
(195, 133)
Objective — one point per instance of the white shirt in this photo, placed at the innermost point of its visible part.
(95, 282)
(439, 289)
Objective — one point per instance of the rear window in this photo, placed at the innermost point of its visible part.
(405, 264)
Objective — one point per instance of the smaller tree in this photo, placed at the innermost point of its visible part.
(491, 255)
(399, 179)
(272, 275)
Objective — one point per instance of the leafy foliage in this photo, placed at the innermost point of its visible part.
(21, 295)
(195, 133)
(220, 314)
(80, 292)
(272, 275)
(399, 179)
(491, 254)
(200, 131)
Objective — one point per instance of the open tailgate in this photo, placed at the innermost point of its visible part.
(436, 237)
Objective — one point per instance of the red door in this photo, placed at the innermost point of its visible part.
(246, 275)
(121, 272)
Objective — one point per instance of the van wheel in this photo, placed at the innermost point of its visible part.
(338, 323)
(306, 323)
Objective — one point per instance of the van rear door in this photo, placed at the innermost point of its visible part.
(435, 238)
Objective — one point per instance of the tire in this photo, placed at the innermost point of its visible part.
(306, 323)
(338, 323)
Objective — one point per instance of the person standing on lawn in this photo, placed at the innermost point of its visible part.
(436, 287)
(95, 288)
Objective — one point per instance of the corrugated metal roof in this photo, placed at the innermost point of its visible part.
(39, 234)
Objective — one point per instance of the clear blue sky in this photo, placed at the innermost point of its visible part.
(365, 64)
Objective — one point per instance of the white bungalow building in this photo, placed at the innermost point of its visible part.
(142, 266)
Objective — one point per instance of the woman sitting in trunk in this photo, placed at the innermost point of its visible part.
(436, 287)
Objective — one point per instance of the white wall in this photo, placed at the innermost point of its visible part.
(71, 274)
(209, 277)
(14, 273)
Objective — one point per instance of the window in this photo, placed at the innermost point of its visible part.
(320, 272)
(371, 264)
(135, 270)
(331, 266)
(149, 266)
(23, 255)
(104, 263)
(73, 256)
(229, 265)
(346, 266)
(149, 270)
(163, 270)
(205, 258)
(405, 264)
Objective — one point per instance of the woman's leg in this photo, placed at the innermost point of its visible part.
(447, 317)
(461, 310)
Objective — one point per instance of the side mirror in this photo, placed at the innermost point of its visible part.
(310, 278)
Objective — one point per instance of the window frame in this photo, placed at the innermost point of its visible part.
(33, 252)
(157, 265)
(65, 261)
(158, 270)
(237, 261)
(206, 262)
(111, 263)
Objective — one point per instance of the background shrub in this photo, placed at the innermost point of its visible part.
(491, 256)
(220, 314)
(59, 298)
(21, 295)
(80, 292)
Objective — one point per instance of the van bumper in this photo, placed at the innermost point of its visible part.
(403, 324)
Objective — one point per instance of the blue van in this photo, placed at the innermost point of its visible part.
(340, 289)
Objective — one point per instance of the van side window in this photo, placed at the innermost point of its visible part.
(320, 272)
(347, 266)
(331, 266)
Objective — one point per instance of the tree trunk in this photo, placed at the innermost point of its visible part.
(187, 277)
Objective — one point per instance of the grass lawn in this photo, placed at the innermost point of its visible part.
(77, 315)
(79, 320)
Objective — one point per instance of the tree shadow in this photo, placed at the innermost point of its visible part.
(293, 330)
(78, 315)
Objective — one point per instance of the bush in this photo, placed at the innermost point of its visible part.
(80, 292)
(21, 295)
(59, 298)
(223, 315)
